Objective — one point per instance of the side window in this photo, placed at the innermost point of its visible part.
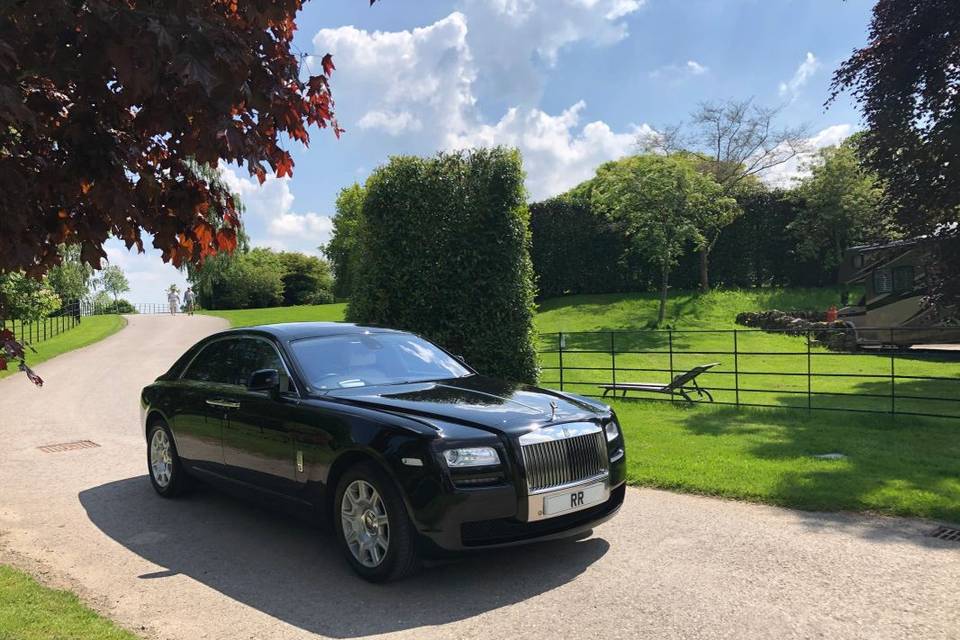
(256, 355)
(216, 363)
(903, 279)
(881, 281)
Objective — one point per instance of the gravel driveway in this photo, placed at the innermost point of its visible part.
(669, 566)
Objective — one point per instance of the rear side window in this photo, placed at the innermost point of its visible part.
(217, 362)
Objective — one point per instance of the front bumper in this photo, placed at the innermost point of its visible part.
(473, 519)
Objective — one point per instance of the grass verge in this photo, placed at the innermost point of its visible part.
(30, 611)
(306, 313)
(91, 329)
(895, 466)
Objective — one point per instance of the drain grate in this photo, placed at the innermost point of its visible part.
(946, 533)
(68, 446)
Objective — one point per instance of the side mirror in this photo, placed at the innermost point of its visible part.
(264, 380)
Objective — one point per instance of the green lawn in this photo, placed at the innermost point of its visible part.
(893, 466)
(305, 313)
(29, 611)
(90, 330)
(702, 324)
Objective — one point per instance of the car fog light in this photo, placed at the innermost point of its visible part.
(471, 457)
(612, 431)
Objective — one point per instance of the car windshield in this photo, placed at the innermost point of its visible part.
(344, 361)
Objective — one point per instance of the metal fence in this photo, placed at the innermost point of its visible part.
(99, 309)
(813, 370)
(36, 331)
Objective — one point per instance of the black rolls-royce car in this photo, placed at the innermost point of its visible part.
(409, 451)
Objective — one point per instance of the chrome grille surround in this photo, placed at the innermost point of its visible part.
(563, 455)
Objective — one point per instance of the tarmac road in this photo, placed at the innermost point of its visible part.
(668, 566)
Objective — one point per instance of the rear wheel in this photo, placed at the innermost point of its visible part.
(372, 525)
(166, 471)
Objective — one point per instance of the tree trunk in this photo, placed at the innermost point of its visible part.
(664, 286)
(704, 269)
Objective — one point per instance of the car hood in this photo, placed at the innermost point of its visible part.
(488, 403)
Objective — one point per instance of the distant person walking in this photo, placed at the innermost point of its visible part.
(173, 299)
(190, 300)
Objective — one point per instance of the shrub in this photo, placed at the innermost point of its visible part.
(306, 279)
(446, 254)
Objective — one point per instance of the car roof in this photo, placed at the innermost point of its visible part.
(287, 331)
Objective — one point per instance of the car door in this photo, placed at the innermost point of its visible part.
(202, 404)
(258, 433)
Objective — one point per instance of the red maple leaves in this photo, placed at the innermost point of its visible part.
(106, 108)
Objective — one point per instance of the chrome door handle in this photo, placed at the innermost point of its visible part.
(223, 404)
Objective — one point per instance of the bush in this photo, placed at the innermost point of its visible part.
(446, 254)
(104, 304)
(306, 279)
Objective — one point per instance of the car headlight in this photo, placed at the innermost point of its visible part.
(471, 457)
(612, 430)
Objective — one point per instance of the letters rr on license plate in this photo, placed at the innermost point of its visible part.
(574, 499)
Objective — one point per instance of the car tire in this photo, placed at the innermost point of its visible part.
(168, 477)
(376, 495)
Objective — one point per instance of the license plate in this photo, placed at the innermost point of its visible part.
(574, 499)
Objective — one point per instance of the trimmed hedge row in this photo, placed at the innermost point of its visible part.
(575, 251)
(446, 255)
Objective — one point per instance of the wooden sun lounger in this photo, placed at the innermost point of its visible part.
(682, 385)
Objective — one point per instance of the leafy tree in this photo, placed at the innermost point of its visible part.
(446, 254)
(28, 299)
(659, 203)
(735, 141)
(842, 207)
(113, 281)
(72, 277)
(306, 279)
(907, 82)
(105, 105)
(343, 248)
(252, 280)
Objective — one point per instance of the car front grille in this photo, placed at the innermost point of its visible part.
(566, 460)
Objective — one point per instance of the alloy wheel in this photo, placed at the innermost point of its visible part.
(366, 526)
(161, 458)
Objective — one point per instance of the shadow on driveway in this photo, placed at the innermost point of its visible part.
(293, 571)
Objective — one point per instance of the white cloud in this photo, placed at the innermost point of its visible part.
(308, 224)
(786, 174)
(423, 75)
(801, 76)
(557, 153)
(268, 216)
(428, 75)
(517, 39)
(679, 72)
(390, 122)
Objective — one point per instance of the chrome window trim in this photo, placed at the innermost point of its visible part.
(560, 432)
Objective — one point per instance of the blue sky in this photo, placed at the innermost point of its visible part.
(570, 82)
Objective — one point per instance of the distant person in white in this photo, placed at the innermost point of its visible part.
(174, 300)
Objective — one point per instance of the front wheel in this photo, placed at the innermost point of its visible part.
(166, 471)
(372, 525)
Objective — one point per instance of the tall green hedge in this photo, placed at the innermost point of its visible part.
(576, 250)
(446, 255)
